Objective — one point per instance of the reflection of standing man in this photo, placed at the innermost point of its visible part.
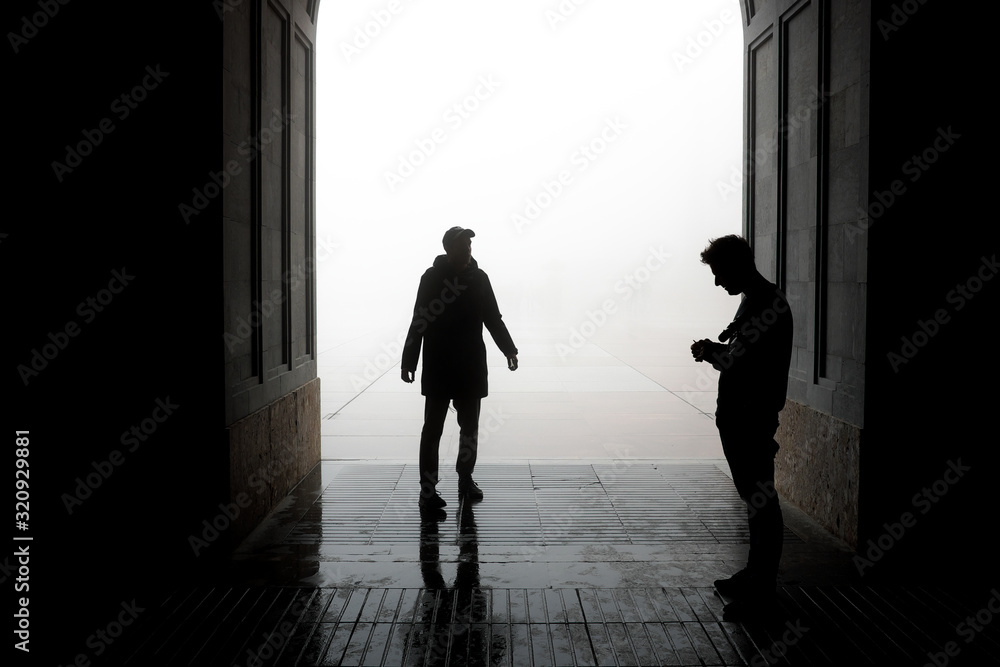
(752, 386)
(454, 301)
(451, 622)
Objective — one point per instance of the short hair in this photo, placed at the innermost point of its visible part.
(729, 251)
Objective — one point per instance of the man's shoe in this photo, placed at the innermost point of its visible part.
(433, 501)
(745, 584)
(467, 487)
(736, 585)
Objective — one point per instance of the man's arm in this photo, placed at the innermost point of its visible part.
(415, 334)
(495, 325)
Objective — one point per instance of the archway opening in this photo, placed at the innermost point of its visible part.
(594, 148)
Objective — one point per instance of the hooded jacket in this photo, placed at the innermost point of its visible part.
(448, 318)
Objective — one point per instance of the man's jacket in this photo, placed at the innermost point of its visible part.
(448, 319)
(754, 364)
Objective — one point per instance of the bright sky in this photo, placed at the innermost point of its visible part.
(580, 147)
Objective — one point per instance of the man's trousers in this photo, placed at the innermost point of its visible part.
(750, 448)
(435, 412)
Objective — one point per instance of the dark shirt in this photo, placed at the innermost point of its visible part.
(754, 363)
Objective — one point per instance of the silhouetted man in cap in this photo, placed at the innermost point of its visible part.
(454, 301)
(753, 361)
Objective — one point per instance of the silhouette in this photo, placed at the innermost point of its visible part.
(452, 623)
(454, 300)
(753, 360)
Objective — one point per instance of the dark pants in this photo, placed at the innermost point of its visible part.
(435, 412)
(750, 447)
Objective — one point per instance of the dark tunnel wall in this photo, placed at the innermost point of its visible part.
(115, 117)
(929, 448)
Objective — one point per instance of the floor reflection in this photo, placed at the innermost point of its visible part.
(452, 621)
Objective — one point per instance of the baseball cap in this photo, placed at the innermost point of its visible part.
(454, 233)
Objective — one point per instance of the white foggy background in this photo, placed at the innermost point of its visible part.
(669, 181)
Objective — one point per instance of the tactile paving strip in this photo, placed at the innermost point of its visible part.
(611, 503)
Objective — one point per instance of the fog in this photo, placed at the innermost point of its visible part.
(593, 148)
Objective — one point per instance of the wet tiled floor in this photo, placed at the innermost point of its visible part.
(614, 502)
(539, 525)
(515, 628)
(608, 513)
(576, 564)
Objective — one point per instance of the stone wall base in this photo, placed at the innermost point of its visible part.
(817, 468)
(270, 451)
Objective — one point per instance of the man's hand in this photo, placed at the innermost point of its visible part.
(406, 375)
(700, 348)
(512, 363)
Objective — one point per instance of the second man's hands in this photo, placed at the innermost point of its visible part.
(512, 363)
(700, 348)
